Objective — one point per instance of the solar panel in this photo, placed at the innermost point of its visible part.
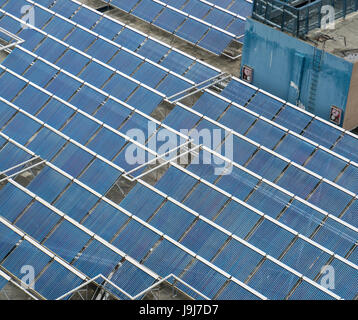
(240, 203)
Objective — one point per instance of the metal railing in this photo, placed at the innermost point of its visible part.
(299, 18)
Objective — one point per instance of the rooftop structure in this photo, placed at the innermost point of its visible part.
(263, 219)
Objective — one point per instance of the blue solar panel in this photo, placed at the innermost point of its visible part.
(330, 198)
(67, 240)
(18, 61)
(235, 292)
(26, 254)
(21, 128)
(135, 240)
(239, 183)
(347, 147)
(172, 219)
(206, 201)
(302, 218)
(349, 178)
(177, 62)
(331, 167)
(72, 61)
(306, 291)
(8, 239)
(96, 74)
(202, 278)
(87, 99)
(65, 8)
(271, 238)
(266, 165)
(298, 181)
(124, 5)
(112, 113)
(11, 155)
(172, 85)
(172, 178)
(242, 150)
(153, 50)
(237, 219)
(58, 27)
(6, 113)
(100, 176)
(242, 7)
(350, 215)
(336, 237)
(295, 149)
(46, 143)
(238, 92)
(105, 220)
(322, 133)
(129, 235)
(237, 27)
(48, 184)
(80, 39)
(106, 143)
(216, 41)
(33, 105)
(88, 128)
(268, 199)
(12, 201)
(273, 281)
(147, 10)
(149, 74)
(346, 280)
(107, 28)
(131, 279)
(9, 24)
(200, 72)
(167, 258)
(14, 7)
(64, 86)
(56, 281)
(38, 221)
(305, 258)
(76, 201)
(196, 8)
(210, 106)
(42, 17)
(264, 133)
(286, 115)
(219, 18)
(55, 113)
(144, 100)
(10, 86)
(85, 17)
(143, 206)
(97, 259)
(180, 119)
(238, 260)
(192, 30)
(120, 87)
(237, 119)
(40, 73)
(169, 20)
(130, 39)
(45, 3)
(204, 239)
(265, 105)
(102, 50)
(125, 62)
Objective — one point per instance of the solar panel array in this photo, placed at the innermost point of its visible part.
(200, 22)
(70, 93)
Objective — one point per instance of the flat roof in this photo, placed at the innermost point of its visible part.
(341, 41)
